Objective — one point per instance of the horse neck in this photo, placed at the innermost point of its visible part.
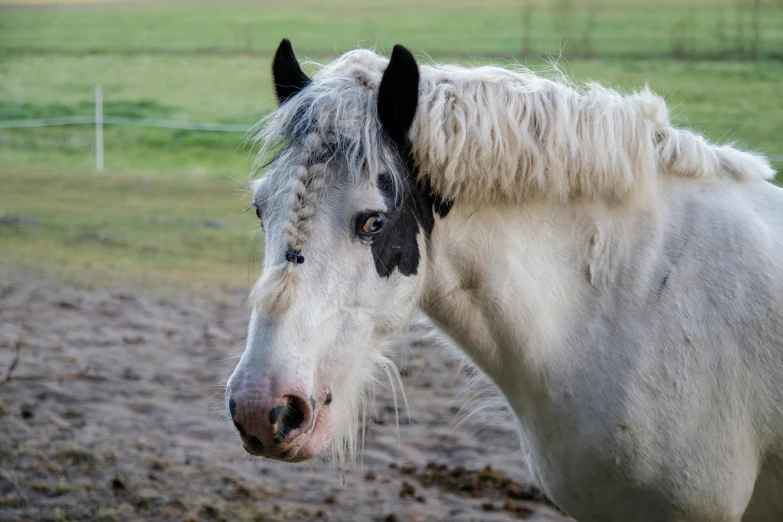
(510, 283)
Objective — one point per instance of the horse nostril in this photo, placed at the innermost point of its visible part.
(289, 417)
(253, 445)
(274, 413)
(240, 429)
(232, 406)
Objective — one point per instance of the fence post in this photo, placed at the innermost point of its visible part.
(527, 15)
(756, 16)
(99, 128)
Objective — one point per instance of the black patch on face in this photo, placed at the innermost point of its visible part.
(328, 400)
(411, 209)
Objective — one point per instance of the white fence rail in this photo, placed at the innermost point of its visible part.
(99, 128)
(99, 120)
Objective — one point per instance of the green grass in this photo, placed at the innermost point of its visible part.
(211, 89)
(441, 28)
(127, 229)
(138, 223)
(728, 101)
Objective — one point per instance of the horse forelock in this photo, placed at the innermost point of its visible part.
(330, 129)
(339, 108)
(492, 133)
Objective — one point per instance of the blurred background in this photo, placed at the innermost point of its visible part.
(125, 255)
(166, 192)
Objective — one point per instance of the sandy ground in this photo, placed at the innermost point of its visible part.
(113, 412)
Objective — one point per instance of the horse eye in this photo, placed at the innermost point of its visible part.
(258, 213)
(369, 225)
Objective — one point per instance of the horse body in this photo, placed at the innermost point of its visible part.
(647, 392)
(618, 279)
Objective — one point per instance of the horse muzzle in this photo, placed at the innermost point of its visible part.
(280, 422)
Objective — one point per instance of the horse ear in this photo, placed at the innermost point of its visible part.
(288, 76)
(398, 94)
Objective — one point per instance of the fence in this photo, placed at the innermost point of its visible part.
(717, 29)
(100, 119)
(445, 29)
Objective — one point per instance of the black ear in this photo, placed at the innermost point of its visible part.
(286, 73)
(398, 94)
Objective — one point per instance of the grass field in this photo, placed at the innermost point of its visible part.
(128, 229)
(728, 101)
(496, 28)
(143, 220)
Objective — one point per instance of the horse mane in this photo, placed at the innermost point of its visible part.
(490, 133)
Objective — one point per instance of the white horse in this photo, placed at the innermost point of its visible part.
(620, 280)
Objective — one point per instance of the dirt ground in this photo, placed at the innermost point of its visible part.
(113, 411)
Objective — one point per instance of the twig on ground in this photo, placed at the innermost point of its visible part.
(18, 344)
(207, 336)
(10, 478)
(55, 377)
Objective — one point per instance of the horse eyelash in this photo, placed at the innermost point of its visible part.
(259, 214)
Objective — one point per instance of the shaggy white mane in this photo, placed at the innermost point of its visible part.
(491, 133)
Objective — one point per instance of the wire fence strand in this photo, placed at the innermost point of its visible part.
(115, 120)
(47, 122)
(166, 124)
